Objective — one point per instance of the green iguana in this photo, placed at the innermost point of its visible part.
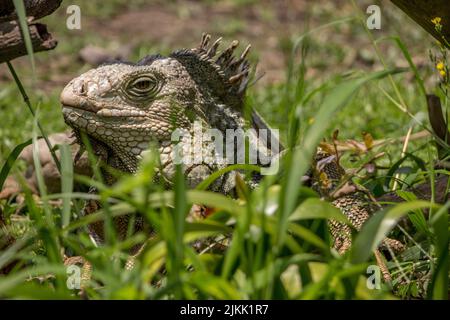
(122, 107)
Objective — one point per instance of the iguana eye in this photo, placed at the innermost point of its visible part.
(143, 87)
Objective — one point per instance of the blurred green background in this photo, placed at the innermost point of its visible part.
(133, 29)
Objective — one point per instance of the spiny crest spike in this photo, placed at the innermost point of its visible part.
(227, 73)
(212, 51)
(205, 41)
(237, 77)
(246, 51)
(224, 57)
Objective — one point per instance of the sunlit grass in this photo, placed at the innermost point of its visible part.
(278, 245)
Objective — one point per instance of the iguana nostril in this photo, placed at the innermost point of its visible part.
(80, 87)
(74, 95)
(83, 88)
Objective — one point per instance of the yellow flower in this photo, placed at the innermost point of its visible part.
(436, 21)
(440, 66)
(442, 73)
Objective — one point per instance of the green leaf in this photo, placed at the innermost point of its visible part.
(314, 208)
(21, 14)
(215, 287)
(308, 236)
(18, 278)
(300, 161)
(378, 226)
(179, 218)
(66, 182)
(416, 216)
(215, 200)
(396, 165)
(12, 157)
(439, 283)
(217, 174)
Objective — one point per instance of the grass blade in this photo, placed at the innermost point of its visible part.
(378, 226)
(439, 283)
(26, 99)
(66, 182)
(12, 157)
(21, 14)
(336, 99)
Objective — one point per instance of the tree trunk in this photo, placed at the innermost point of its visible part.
(12, 44)
(33, 8)
(423, 11)
(423, 192)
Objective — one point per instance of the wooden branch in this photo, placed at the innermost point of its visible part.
(12, 44)
(438, 124)
(423, 192)
(436, 117)
(34, 8)
(423, 11)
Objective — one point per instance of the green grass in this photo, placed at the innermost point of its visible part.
(278, 244)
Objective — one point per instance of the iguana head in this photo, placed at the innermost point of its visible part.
(124, 106)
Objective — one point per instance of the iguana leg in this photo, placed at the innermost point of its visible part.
(393, 244)
(131, 260)
(341, 234)
(383, 268)
(357, 204)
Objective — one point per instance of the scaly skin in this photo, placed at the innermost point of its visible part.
(355, 204)
(123, 107)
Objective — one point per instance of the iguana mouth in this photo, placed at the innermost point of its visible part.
(114, 112)
(81, 108)
(108, 112)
